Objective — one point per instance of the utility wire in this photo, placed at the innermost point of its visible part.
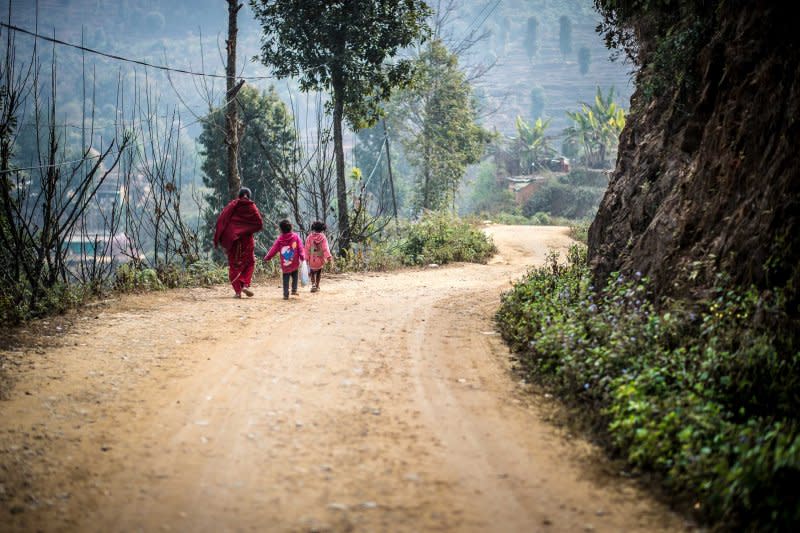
(470, 32)
(61, 164)
(121, 58)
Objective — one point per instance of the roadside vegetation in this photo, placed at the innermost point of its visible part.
(436, 238)
(703, 394)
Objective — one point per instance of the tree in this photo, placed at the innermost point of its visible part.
(532, 145)
(490, 196)
(374, 153)
(266, 142)
(565, 36)
(532, 37)
(596, 128)
(537, 102)
(232, 123)
(342, 46)
(584, 59)
(439, 118)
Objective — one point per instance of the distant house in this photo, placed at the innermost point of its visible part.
(101, 248)
(523, 187)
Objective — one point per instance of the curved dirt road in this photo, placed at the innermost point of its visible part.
(381, 403)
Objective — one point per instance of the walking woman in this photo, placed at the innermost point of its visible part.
(235, 228)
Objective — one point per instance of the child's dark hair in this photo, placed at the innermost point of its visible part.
(285, 225)
(318, 226)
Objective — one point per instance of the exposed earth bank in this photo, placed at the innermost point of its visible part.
(385, 402)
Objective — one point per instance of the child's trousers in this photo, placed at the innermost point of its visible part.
(286, 276)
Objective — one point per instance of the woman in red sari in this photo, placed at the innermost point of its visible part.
(235, 228)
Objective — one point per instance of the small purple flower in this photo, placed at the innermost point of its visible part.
(593, 308)
(638, 275)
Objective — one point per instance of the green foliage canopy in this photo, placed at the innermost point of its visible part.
(343, 47)
(532, 37)
(488, 196)
(439, 117)
(596, 128)
(565, 35)
(266, 142)
(532, 145)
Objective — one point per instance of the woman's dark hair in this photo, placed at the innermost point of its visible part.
(285, 225)
(318, 226)
(245, 192)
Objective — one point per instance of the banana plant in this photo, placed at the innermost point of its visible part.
(532, 143)
(596, 127)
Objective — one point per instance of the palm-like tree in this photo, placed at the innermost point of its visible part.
(532, 144)
(596, 127)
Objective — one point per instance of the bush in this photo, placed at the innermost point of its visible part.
(584, 177)
(580, 231)
(511, 219)
(436, 238)
(206, 272)
(132, 277)
(442, 238)
(565, 200)
(705, 395)
(374, 256)
(489, 196)
(543, 219)
(574, 196)
(15, 306)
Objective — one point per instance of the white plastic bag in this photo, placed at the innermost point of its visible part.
(304, 273)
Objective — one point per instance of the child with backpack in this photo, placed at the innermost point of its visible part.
(318, 252)
(290, 248)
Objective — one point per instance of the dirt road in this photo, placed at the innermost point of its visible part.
(381, 403)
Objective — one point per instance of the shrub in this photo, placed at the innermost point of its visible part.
(15, 302)
(206, 272)
(489, 196)
(565, 200)
(512, 219)
(541, 219)
(580, 231)
(585, 177)
(375, 256)
(704, 394)
(132, 277)
(442, 238)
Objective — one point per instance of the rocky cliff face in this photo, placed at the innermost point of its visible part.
(707, 178)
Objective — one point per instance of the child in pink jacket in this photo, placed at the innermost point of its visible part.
(318, 252)
(291, 252)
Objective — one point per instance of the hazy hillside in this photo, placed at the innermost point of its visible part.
(170, 33)
(510, 82)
